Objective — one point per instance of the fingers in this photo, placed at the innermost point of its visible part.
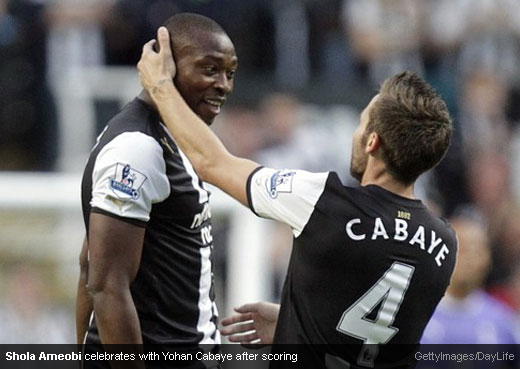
(238, 328)
(237, 318)
(148, 46)
(244, 338)
(164, 41)
(247, 308)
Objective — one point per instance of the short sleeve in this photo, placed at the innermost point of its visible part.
(129, 176)
(288, 196)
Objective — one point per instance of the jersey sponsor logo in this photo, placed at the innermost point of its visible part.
(127, 182)
(280, 182)
(201, 217)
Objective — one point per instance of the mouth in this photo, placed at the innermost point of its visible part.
(214, 104)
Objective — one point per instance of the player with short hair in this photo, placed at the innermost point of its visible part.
(369, 264)
(146, 263)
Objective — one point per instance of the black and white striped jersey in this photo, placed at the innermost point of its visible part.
(138, 174)
(368, 267)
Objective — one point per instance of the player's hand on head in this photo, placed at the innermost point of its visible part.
(156, 68)
(253, 324)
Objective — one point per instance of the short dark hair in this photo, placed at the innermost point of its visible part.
(413, 124)
(183, 26)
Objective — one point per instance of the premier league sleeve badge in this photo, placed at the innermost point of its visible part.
(280, 182)
(127, 182)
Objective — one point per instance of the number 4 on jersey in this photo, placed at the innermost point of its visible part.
(387, 294)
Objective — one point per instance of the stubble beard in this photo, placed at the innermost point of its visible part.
(355, 172)
(358, 164)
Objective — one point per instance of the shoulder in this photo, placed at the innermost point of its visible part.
(134, 116)
(133, 133)
(134, 152)
(443, 223)
(132, 145)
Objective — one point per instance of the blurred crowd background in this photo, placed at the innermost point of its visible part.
(306, 70)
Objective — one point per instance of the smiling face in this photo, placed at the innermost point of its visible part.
(359, 157)
(206, 66)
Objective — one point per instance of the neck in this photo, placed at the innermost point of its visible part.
(376, 174)
(145, 96)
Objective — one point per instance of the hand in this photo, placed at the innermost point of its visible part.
(156, 68)
(259, 319)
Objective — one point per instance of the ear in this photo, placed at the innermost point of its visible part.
(373, 143)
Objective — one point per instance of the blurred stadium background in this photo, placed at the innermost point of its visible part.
(307, 68)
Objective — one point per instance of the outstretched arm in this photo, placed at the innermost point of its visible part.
(209, 157)
(258, 320)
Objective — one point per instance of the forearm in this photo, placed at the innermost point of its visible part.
(194, 137)
(83, 300)
(116, 317)
(83, 309)
(118, 324)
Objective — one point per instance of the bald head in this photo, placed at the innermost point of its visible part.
(185, 27)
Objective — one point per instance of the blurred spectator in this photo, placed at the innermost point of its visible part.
(492, 30)
(330, 52)
(478, 159)
(490, 189)
(462, 36)
(292, 43)
(386, 35)
(27, 314)
(467, 314)
(75, 37)
(240, 129)
(27, 111)
(302, 136)
(482, 116)
(489, 184)
(505, 252)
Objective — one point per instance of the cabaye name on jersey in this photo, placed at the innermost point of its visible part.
(420, 237)
(127, 182)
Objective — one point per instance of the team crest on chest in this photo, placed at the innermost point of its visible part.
(127, 182)
(280, 182)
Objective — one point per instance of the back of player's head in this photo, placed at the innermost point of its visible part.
(414, 126)
(184, 26)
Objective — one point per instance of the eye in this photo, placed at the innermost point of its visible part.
(231, 74)
(210, 69)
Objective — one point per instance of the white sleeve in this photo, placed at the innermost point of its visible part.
(129, 176)
(288, 196)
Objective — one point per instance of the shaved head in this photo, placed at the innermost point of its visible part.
(184, 27)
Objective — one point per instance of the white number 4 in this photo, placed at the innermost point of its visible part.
(388, 293)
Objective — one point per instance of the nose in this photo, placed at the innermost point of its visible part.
(223, 83)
